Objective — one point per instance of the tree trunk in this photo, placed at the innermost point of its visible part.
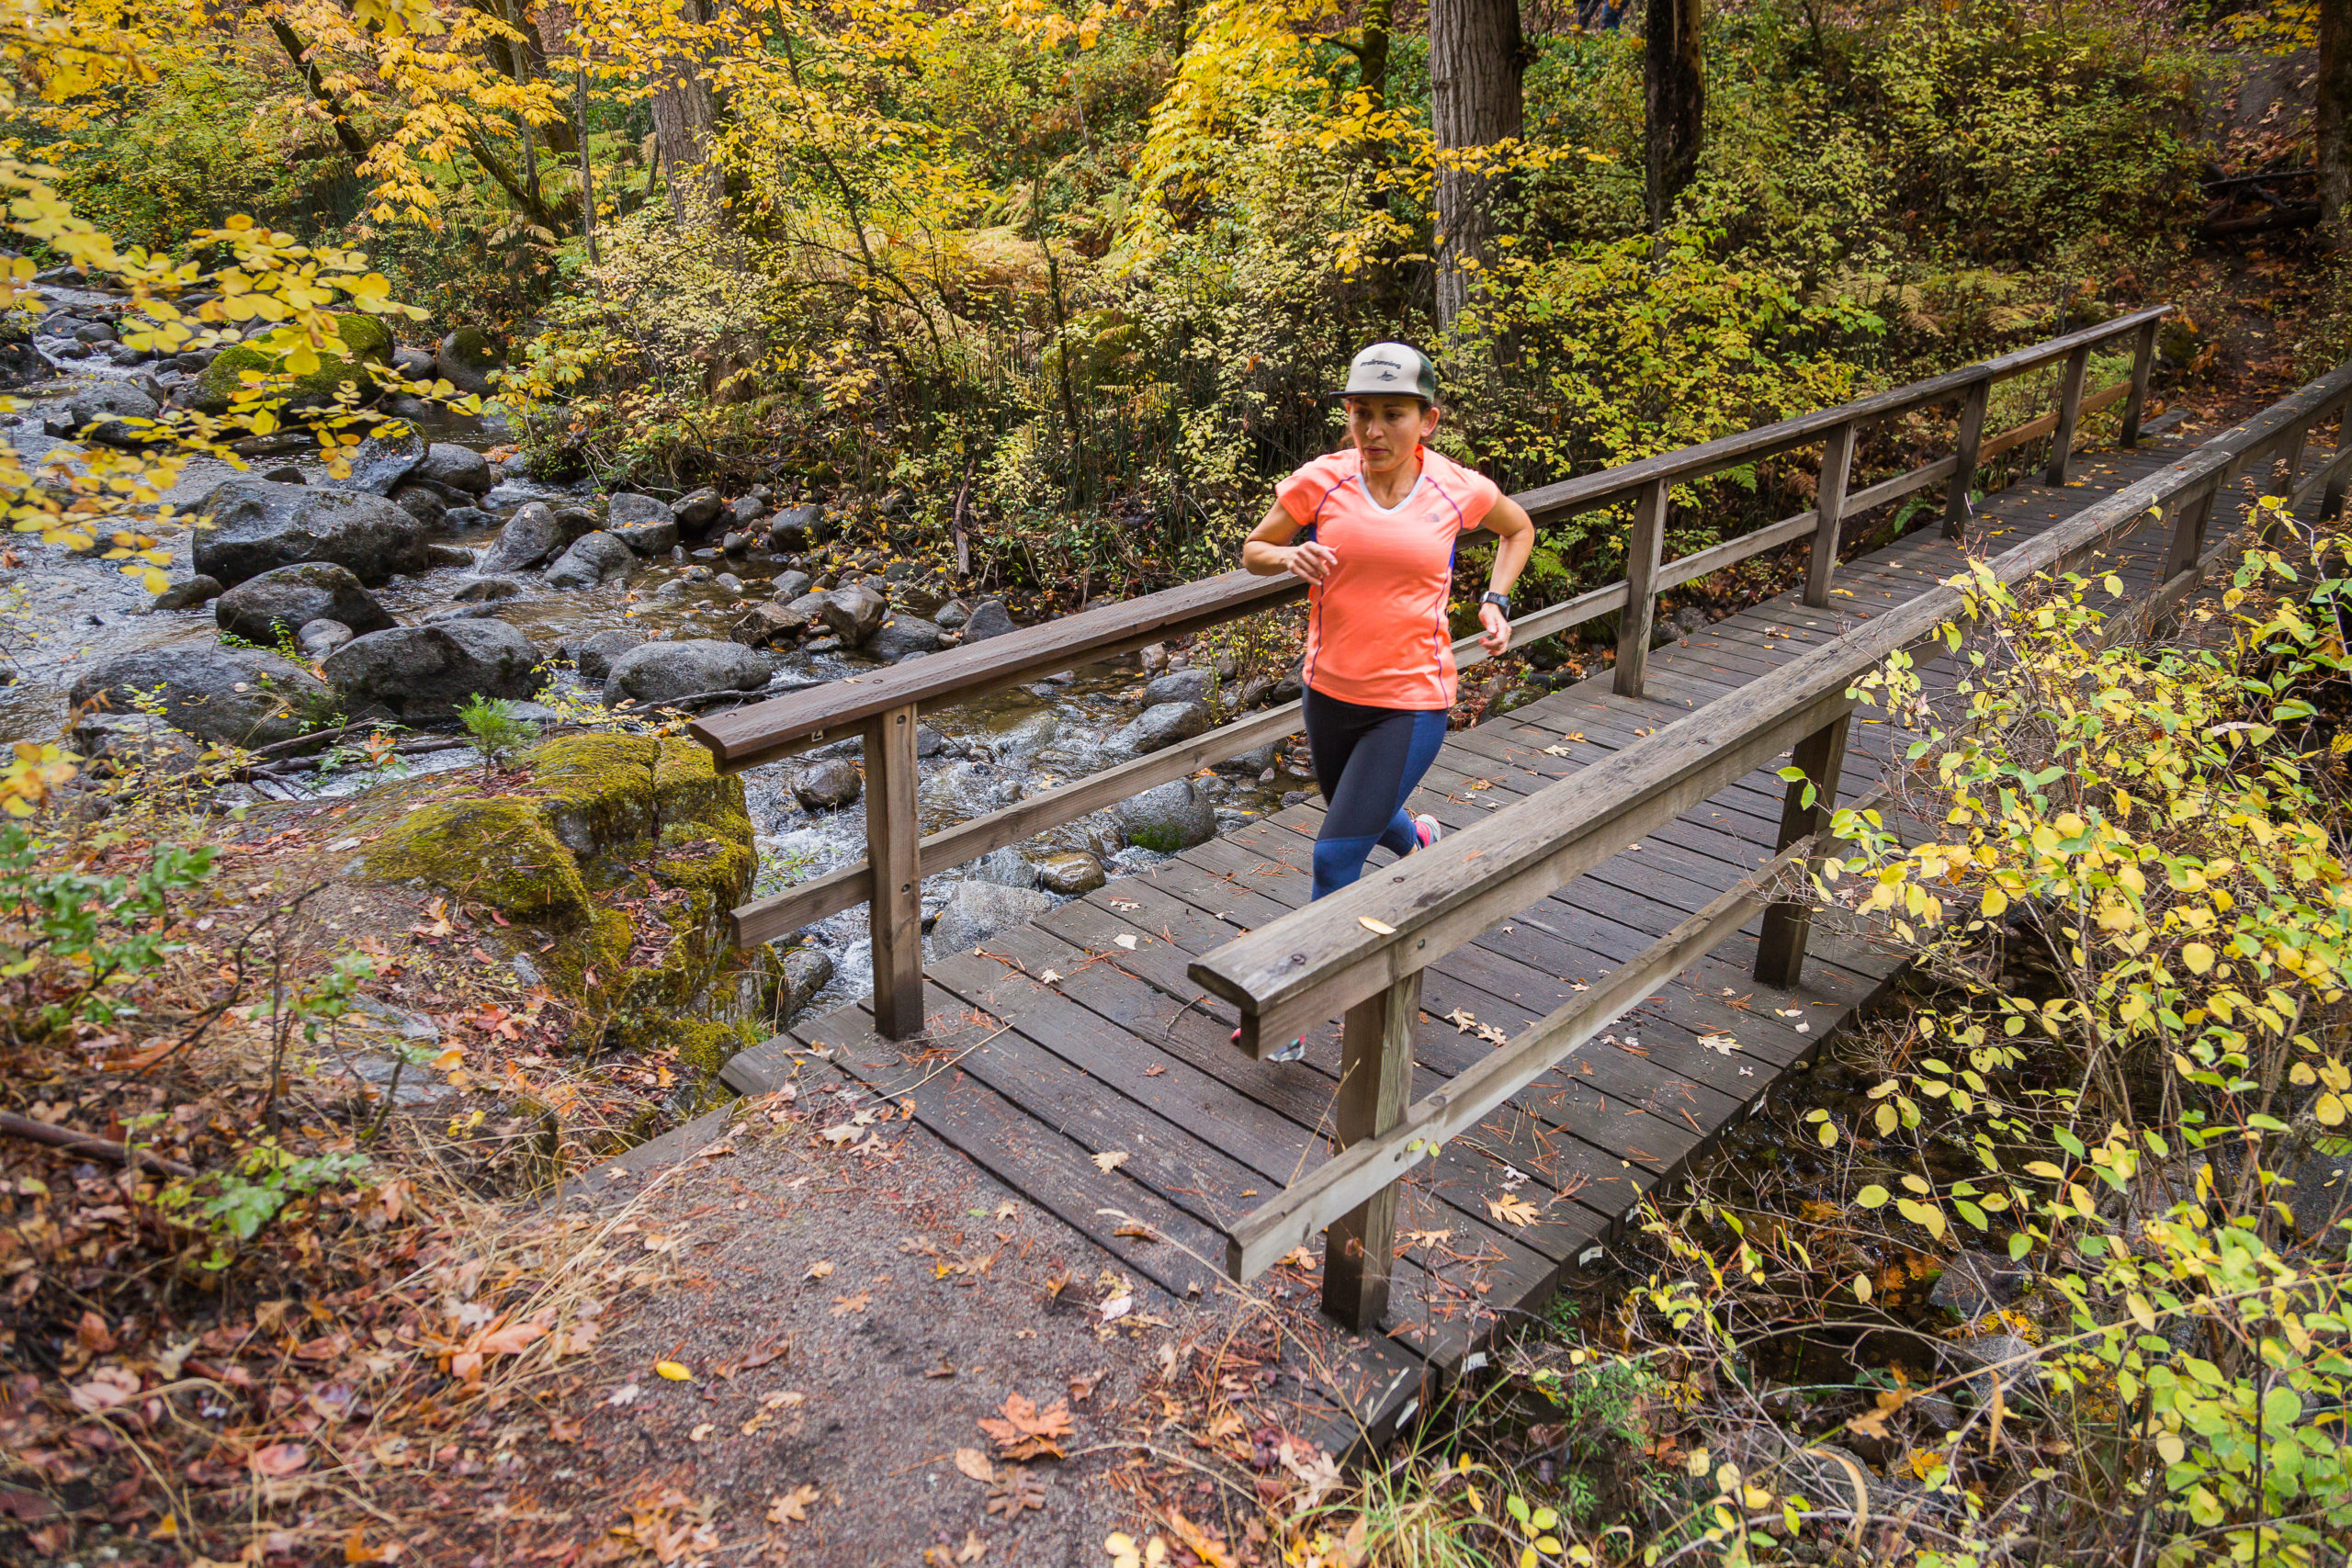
(2332, 121)
(684, 118)
(1674, 94)
(1475, 102)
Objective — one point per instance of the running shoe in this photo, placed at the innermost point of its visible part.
(1429, 829)
(1294, 1052)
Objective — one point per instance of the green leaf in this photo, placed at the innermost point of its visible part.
(1872, 1197)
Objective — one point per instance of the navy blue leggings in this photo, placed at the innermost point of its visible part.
(1368, 761)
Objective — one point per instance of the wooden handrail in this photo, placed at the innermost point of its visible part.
(1357, 949)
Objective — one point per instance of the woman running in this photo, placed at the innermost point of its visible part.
(1376, 526)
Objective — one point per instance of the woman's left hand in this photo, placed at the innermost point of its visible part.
(1497, 633)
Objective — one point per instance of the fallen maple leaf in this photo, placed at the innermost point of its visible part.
(1024, 1432)
(1512, 1211)
(973, 1548)
(1108, 1162)
(844, 1305)
(1018, 1490)
(1199, 1543)
(975, 1463)
(819, 1272)
(793, 1507)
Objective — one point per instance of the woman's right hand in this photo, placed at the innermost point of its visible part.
(1311, 561)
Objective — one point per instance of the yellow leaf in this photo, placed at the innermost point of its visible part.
(2198, 956)
(1995, 901)
(1377, 928)
(674, 1371)
(1512, 1211)
(1110, 1161)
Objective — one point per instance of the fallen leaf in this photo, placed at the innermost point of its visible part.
(1126, 1553)
(1108, 1162)
(674, 1371)
(793, 1507)
(1049, 976)
(1154, 1070)
(279, 1458)
(701, 1433)
(1137, 1230)
(844, 1305)
(625, 1394)
(761, 1357)
(565, 1428)
(1124, 940)
(1462, 1020)
(1377, 928)
(1117, 1307)
(973, 1548)
(975, 1463)
(1512, 1211)
(819, 1272)
(1024, 1431)
(1017, 1490)
(1199, 1542)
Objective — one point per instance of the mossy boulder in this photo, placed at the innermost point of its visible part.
(614, 867)
(365, 337)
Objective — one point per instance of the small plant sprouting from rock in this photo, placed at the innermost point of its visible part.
(498, 731)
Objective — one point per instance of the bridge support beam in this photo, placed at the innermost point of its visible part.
(2331, 500)
(2070, 413)
(894, 854)
(1836, 469)
(1964, 474)
(1788, 925)
(1375, 1085)
(1645, 547)
(2143, 360)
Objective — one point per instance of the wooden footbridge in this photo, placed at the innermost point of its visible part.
(1516, 1034)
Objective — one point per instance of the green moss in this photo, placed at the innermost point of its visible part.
(471, 347)
(687, 785)
(365, 336)
(599, 793)
(498, 851)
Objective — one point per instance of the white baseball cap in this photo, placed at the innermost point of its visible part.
(1391, 369)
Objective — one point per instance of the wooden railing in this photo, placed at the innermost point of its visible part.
(883, 707)
(1361, 952)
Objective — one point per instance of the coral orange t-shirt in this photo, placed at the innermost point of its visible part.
(1377, 630)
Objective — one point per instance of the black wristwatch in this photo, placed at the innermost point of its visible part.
(1499, 601)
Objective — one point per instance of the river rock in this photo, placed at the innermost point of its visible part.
(1070, 874)
(1160, 727)
(829, 783)
(454, 466)
(805, 971)
(664, 671)
(413, 364)
(988, 619)
(746, 509)
(695, 509)
(1173, 817)
(978, 911)
(109, 744)
(1974, 1283)
(466, 358)
(1179, 686)
(293, 596)
(952, 614)
(424, 672)
(854, 613)
(320, 637)
(110, 406)
(795, 527)
(187, 592)
(902, 635)
(382, 461)
(483, 589)
(594, 656)
(593, 558)
(1005, 867)
(531, 538)
(654, 536)
(258, 526)
(790, 585)
(241, 696)
(762, 626)
(425, 506)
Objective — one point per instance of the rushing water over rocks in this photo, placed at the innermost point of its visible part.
(660, 587)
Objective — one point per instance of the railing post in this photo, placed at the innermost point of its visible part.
(2189, 510)
(1375, 1085)
(893, 852)
(1837, 468)
(2143, 360)
(1972, 437)
(2331, 499)
(2070, 412)
(1645, 547)
(1821, 757)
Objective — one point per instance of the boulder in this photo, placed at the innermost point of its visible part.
(187, 592)
(453, 466)
(258, 526)
(1070, 874)
(854, 614)
(988, 619)
(594, 656)
(380, 462)
(1250, 763)
(424, 672)
(1162, 726)
(531, 538)
(828, 784)
(805, 971)
(696, 509)
(482, 590)
(1974, 1283)
(978, 911)
(652, 536)
(1512, 701)
(472, 611)
(425, 506)
(736, 544)
(320, 637)
(411, 363)
(1179, 686)
(112, 407)
(466, 519)
(449, 554)
(746, 509)
(365, 336)
(902, 635)
(1173, 817)
(790, 585)
(109, 744)
(241, 696)
(628, 507)
(466, 358)
(952, 614)
(290, 597)
(762, 626)
(593, 559)
(664, 671)
(795, 527)
(1005, 867)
